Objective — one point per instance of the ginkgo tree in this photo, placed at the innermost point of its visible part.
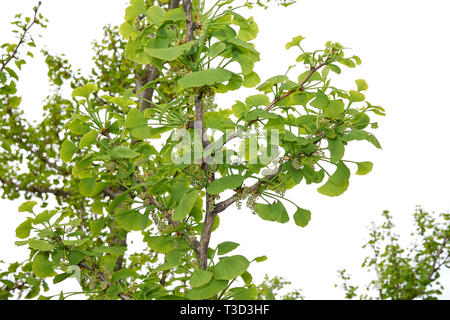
(144, 144)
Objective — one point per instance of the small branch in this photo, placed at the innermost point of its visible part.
(199, 120)
(435, 267)
(110, 192)
(151, 74)
(192, 242)
(221, 206)
(36, 189)
(187, 6)
(22, 39)
(105, 280)
(174, 4)
(206, 234)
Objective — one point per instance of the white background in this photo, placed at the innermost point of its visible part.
(404, 48)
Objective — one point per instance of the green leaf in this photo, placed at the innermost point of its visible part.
(14, 102)
(142, 132)
(347, 62)
(251, 79)
(277, 80)
(61, 277)
(302, 217)
(116, 250)
(196, 211)
(275, 123)
(216, 49)
(321, 100)
(40, 245)
(292, 176)
(361, 135)
(247, 278)
(205, 77)
(173, 257)
(239, 109)
(337, 150)
(337, 183)
(130, 219)
(208, 290)
(288, 85)
(356, 96)
(75, 257)
(225, 33)
(248, 32)
(334, 109)
(314, 77)
(360, 121)
(156, 14)
(237, 18)
(124, 274)
(175, 15)
(24, 229)
(226, 247)
(230, 267)
(185, 206)
(128, 31)
(44, 216)
(96, 226)
(135, 118)
(357, 59)
(78, 127)
(161, 244)
(364, 167)
(334, 68)
(245, 63)
(261, 114)
(67, 151)
(169, 54)
(257, 100)
(145, 132)
(260, 259)
(224, 183)
(294, 42)
(234, 83)
(27, 206)
(123, 152)
(361, 84)
(41, 266)
(243, 293)
(200, 278)
(87, 187)
(136, 8)
(218, 120)
(85, 90)
(88, 139)
(272, 212)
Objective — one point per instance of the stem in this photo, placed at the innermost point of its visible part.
(22, 38)
(187, 6)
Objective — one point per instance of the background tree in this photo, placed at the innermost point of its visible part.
(405, 272)
(96, 152)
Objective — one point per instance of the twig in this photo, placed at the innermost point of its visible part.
(22, 38)
(187, 6)
(105, 280)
